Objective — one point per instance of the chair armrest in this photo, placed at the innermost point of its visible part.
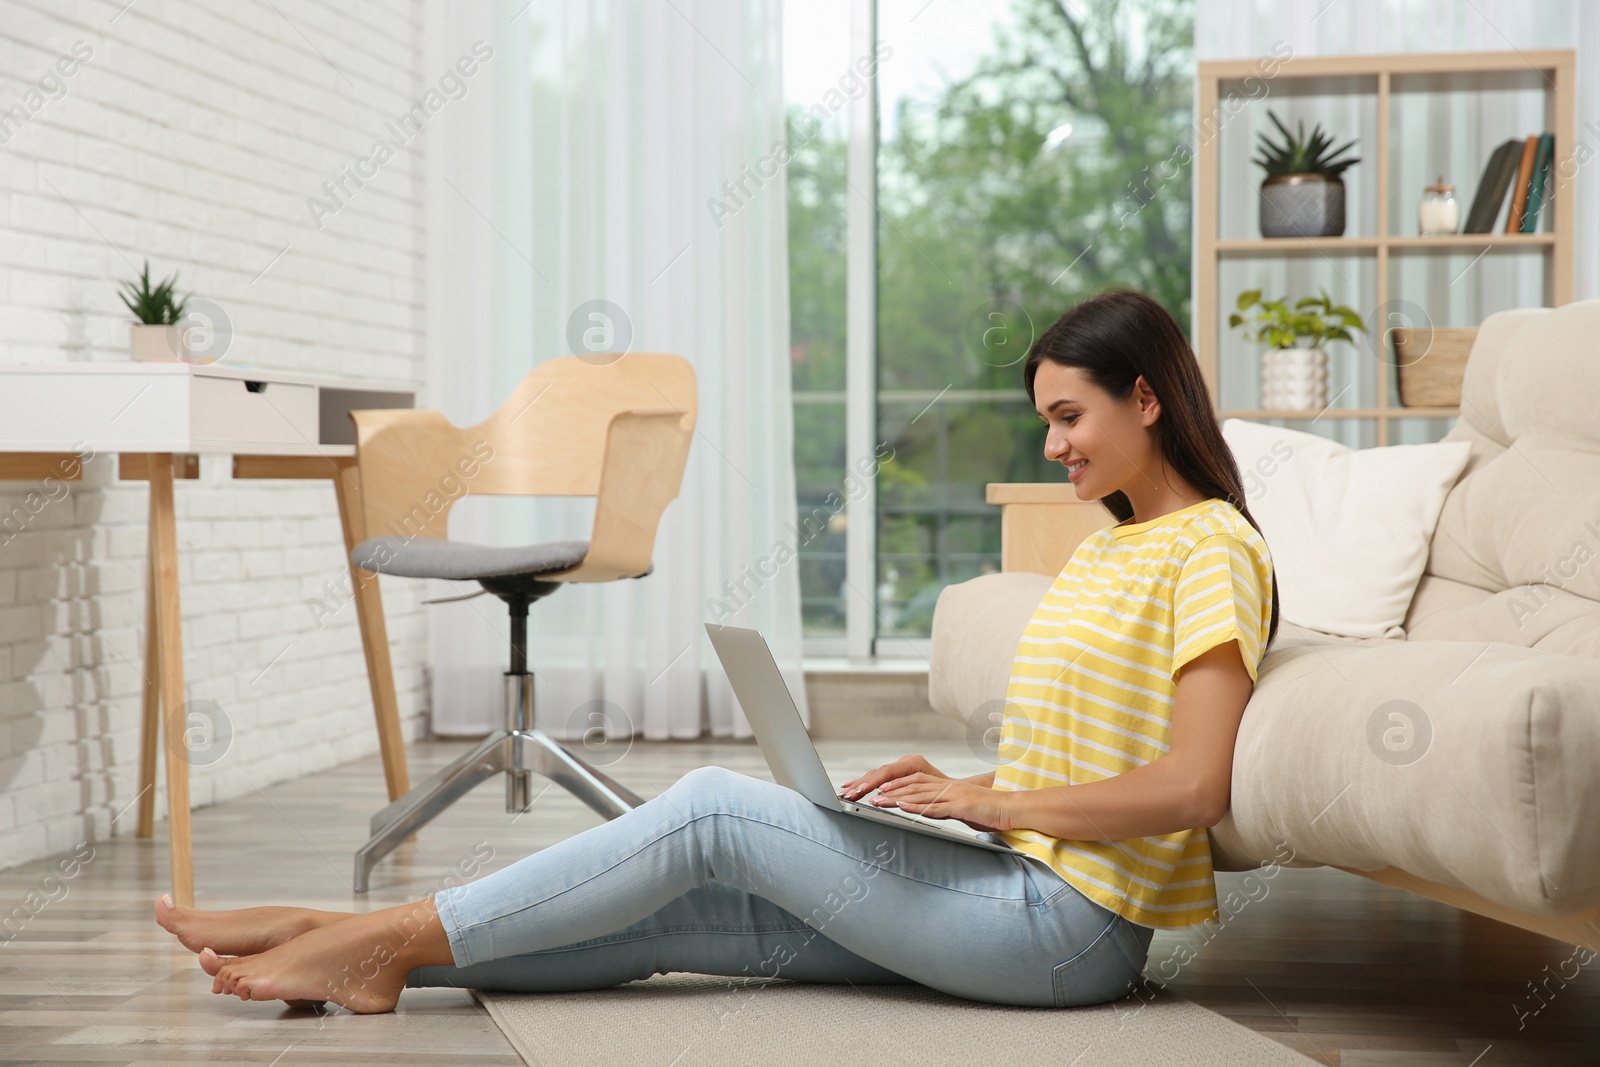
(640, 474)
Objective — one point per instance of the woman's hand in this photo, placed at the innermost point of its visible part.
(938, 797)
(860, 787)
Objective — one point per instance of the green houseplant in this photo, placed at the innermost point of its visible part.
(1303, 192)
(1294, 376)
(155, 334)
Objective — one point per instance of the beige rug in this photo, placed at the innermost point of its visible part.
(687, 1020)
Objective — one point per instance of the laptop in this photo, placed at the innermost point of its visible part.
(773, 715)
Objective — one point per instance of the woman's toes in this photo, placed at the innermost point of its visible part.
(224, 971)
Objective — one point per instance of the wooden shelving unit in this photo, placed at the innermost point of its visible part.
(1288, 246)
(1377, 76)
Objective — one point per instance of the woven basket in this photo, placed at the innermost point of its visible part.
(1430, 364)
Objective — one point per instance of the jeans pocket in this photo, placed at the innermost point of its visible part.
(1106, 970)
(1045, 886)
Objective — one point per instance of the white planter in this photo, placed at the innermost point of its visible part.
(1294, 379)
(157, 344)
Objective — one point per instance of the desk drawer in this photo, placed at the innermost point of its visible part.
(241, 409)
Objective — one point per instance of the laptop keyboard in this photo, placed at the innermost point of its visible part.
(900, 813)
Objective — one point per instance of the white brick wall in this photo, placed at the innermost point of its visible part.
(193, 135)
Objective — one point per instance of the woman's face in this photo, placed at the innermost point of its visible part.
(1085, 423)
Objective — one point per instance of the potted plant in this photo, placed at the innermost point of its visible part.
(155, 333)
(1303, 194)
(1294, 377)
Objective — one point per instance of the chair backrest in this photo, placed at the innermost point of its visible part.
(615, 426)
(1516, 554)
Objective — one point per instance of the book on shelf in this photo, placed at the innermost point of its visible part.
(1539, 184)
(1491, 194)
(1519, 187)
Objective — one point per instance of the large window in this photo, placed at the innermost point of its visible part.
(1022, 157)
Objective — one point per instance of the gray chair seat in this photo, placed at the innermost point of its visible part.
(427, 557)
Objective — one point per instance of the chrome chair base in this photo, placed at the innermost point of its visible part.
(517, 751)
(518, 755)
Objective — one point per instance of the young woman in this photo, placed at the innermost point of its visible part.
(1116, 754)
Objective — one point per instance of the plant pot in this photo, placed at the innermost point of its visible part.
(1302, 205)
(157, 344)
(1294, 379)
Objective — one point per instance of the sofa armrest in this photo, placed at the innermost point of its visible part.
(977, 625)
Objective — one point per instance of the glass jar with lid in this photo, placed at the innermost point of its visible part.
(1438, 212)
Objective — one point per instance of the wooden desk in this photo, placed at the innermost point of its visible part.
(157, 418)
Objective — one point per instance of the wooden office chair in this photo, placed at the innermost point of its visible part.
(616, 428)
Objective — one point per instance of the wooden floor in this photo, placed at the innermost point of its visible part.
(1344, 970)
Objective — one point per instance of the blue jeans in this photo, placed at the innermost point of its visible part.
(726, 874)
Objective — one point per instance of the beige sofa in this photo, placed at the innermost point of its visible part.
(1495, 807)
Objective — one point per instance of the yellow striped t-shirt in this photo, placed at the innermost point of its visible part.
(1092, 689)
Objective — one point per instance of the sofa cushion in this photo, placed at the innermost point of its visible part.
(1522, 525)
(1534, 616)
(1463, 762)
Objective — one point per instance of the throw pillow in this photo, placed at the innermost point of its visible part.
(1348, 529)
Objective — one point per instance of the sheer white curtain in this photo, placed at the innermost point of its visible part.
(1439, 133)
(577, 198)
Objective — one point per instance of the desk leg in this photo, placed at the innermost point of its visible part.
(374, 633)
(169, 639)
(150, 727)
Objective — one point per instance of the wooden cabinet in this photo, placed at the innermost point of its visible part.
(1042, 523)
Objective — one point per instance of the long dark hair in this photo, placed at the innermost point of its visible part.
(1114, 337)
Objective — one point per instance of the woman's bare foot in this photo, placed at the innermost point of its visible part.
(360, 963)
(243, 932)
